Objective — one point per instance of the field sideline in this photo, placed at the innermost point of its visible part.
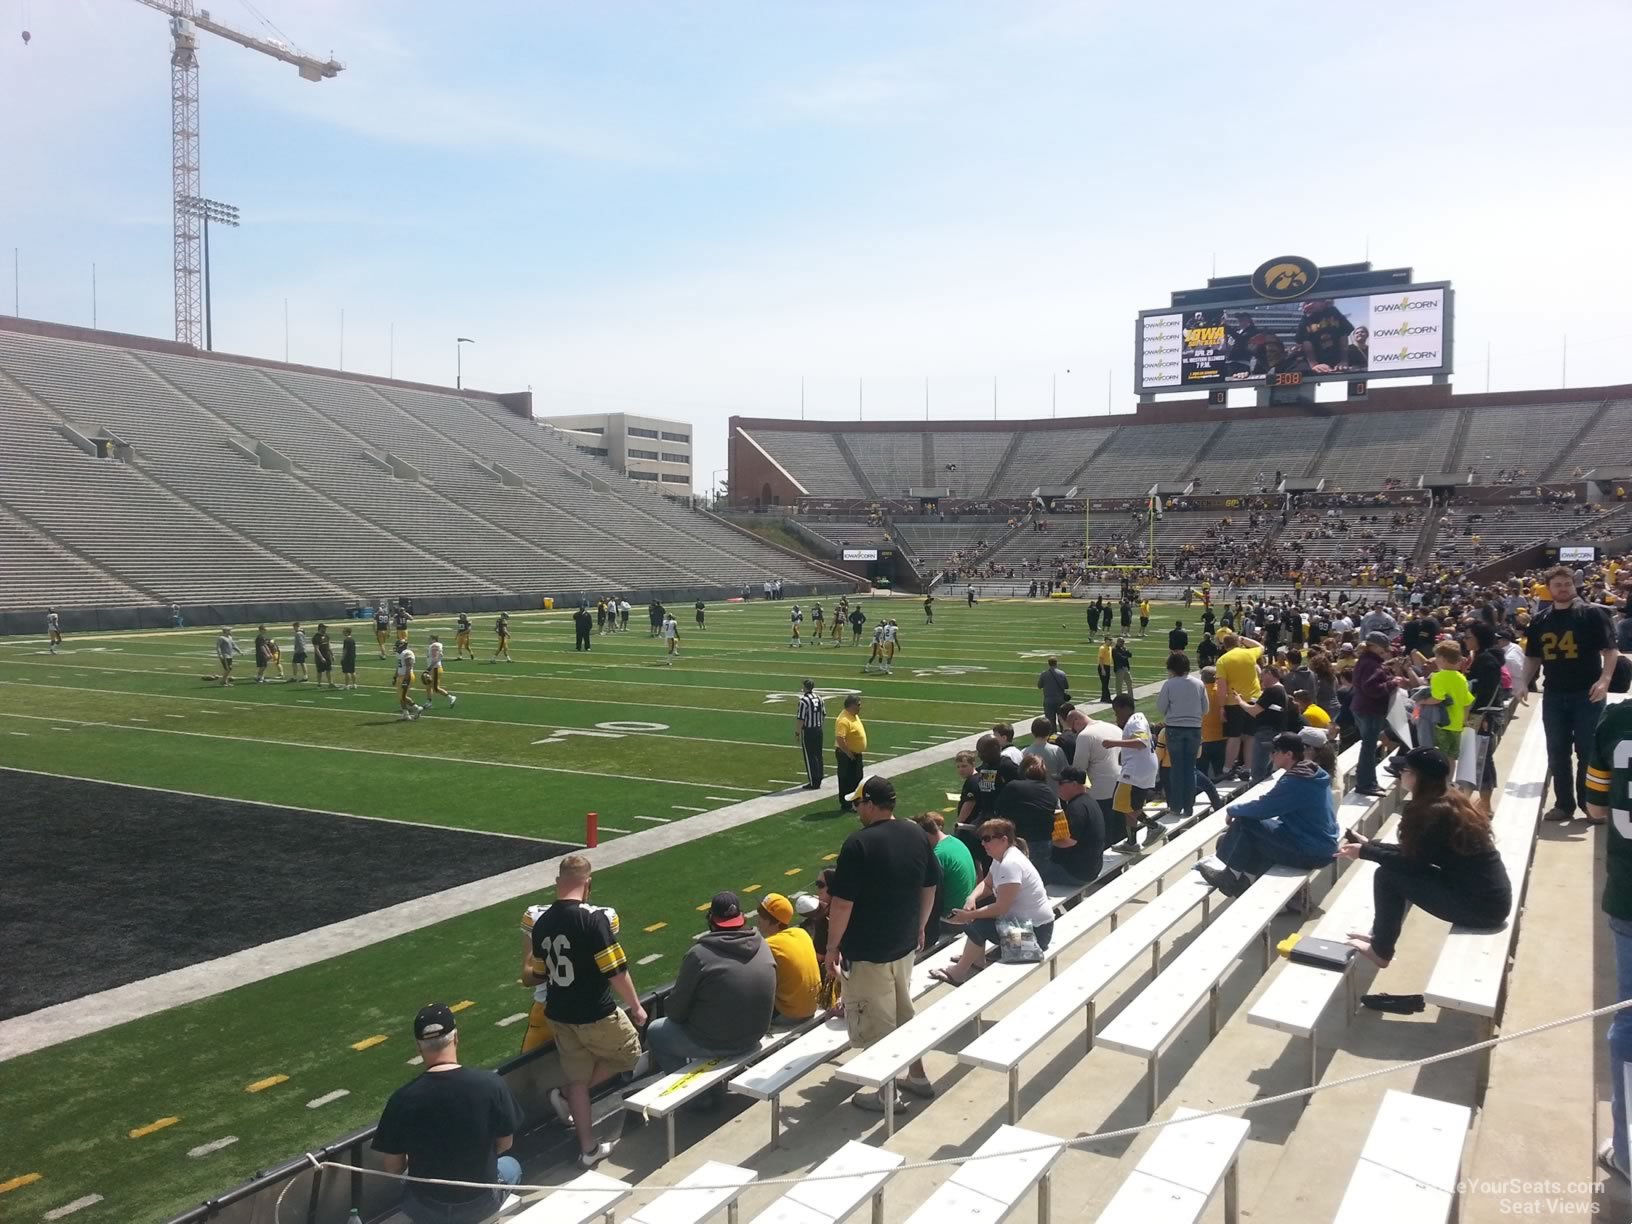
(661, 745)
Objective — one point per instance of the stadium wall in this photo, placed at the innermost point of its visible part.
(518, 402)
(755, 479)
(158, 616)
(753, 471)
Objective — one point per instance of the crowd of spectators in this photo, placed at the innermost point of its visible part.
(1259, 692)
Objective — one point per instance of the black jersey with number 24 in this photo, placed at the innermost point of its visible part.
(1570, 644)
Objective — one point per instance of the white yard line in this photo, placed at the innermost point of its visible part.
(646, 960)
(413, 756)
(366, 711)
(122, 1004)
(68, 1209)
(661, 819)
(606, 828)
(291, 807)
(780, 712)
(204, 1149)
(681, 808)
(327, 1097)
(509, 1020)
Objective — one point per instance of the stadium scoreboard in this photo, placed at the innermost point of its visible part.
(1292, 323)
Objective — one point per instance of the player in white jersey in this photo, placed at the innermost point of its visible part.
(891, 630)
(794, 617)
(53, 629)
(405, 682)
(433, 674)
(671, 635)
(877, 657)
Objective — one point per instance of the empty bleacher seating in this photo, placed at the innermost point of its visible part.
(248, 484)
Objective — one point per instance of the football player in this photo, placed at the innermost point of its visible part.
(405, 682)
(433, 675)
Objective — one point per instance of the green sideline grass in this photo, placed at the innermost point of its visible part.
(77, 1102)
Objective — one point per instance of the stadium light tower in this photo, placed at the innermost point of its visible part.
(459, 361)
(207, 210)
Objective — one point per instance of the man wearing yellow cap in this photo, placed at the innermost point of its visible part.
(798, 973)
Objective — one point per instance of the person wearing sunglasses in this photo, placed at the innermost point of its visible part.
(1012, 889)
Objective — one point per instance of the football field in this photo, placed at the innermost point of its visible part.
(167, 822)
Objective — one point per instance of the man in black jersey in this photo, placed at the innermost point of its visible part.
(453, 1123)
(1323, 335)
(581, 624)
(323, 655)
(576, 954)
(1177, 638)
(857, 619)
(701, 609)
(1572, 643)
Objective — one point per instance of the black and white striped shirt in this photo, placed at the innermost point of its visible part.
(811, 711)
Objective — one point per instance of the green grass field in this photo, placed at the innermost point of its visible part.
(132, 708)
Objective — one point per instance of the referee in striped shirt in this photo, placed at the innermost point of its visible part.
(808, 732)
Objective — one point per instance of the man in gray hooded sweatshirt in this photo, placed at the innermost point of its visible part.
(723, 997)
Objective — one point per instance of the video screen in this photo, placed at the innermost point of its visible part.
(1367, 336)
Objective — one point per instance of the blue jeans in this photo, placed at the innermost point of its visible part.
(1620, 1033)
(673, 1047)
(1263, 743)
(984, 931)
(1569, 720)
(1254, 846)
(424, 1211)
(1183, 747)
(1370, 727)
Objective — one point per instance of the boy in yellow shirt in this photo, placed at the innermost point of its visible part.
(798, 973)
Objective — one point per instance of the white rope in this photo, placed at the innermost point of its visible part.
(1080, 1141)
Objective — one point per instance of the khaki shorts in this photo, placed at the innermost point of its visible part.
(877, 999)
(612, 1042)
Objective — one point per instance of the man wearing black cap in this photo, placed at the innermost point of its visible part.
(1373, 690)
(807, 730)
(883, 892)
(1077, 856)
(724, 994)
(452, 1123)
(849, 747)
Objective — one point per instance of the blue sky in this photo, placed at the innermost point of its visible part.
(684, 208)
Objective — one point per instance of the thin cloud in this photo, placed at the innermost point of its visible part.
(864, 93)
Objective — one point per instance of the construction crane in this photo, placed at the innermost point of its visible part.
(188, 218)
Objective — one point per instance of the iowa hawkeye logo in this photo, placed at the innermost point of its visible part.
(1286, 277)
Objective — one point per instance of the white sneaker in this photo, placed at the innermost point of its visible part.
(452, 701)
(588, 1160)
(558, 1102)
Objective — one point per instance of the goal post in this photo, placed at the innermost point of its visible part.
(1149, 562)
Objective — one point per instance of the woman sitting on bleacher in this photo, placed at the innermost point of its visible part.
(1446, 860)
(1012, 891)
